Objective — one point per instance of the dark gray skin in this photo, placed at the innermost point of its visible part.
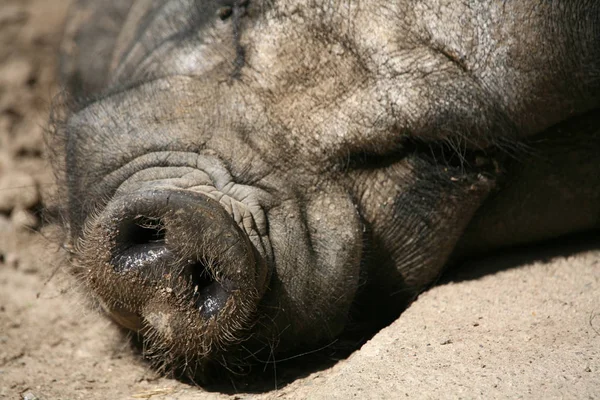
(246, 178)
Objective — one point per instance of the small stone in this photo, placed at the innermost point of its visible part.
(11, 260)
(28, 139)
(5, 224)
(30, 396)
(17, 189)
(16, 72)
(24, 219)
(12, 14)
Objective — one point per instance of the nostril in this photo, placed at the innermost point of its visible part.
(139, 244)
(210, 295)
(141, 230)
(199, 275)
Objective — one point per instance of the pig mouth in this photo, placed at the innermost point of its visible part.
(172, 265)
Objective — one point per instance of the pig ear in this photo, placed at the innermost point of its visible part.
(416, 217)
(88, 44)
(440, 202)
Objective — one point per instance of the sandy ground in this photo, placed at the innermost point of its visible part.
(520, 325)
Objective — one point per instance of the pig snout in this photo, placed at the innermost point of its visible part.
(175, 264)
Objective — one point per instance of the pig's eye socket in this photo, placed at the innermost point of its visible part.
(443, 153)
(224, 12)
(371, 159)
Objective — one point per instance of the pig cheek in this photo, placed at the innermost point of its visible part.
(336, 232)
(318, 251)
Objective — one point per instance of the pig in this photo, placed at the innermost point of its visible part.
(242, 180)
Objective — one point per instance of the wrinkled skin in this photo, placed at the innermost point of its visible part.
(245, 178)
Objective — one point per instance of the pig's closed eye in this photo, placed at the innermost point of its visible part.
(442, 153)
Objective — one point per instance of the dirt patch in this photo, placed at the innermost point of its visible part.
(532, 331)
(51, 344)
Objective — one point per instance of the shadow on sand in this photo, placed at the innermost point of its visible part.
(515, 257)
(278, 373)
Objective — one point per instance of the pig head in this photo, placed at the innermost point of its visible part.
(244, 177)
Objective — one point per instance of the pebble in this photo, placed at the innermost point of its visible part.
(16, 72)
(12, 14)
(5, 224)
(30, 396)
(17, 190)
(23, 219)
(11, 260)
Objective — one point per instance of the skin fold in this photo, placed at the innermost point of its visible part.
(244, 178)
